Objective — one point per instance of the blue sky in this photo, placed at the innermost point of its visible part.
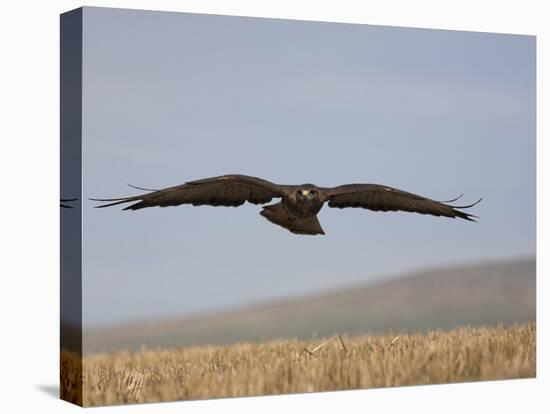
(172, 97)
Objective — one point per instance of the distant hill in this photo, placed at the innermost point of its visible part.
(477, 294)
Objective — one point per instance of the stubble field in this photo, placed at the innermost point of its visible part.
(285, 366)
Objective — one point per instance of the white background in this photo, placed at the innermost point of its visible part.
(29, 160)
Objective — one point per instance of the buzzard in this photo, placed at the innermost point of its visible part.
(299, 205)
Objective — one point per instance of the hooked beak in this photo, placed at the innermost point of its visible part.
(305, 192)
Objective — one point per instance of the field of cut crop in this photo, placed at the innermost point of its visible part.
(292, 366)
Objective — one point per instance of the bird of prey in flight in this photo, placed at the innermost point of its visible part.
(299, 205)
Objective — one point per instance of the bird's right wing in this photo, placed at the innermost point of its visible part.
(226, 190)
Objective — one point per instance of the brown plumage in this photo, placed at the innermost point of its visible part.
(299, 205)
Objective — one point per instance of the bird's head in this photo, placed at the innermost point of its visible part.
(307, 192)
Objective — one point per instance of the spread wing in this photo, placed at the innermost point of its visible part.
(226, 190)
(382, 198)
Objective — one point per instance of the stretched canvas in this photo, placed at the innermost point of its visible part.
(312, 206)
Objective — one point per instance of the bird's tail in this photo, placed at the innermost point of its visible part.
(277, 214)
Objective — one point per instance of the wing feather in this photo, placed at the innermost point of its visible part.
(226, 190)
(383, 198)
(66, 200)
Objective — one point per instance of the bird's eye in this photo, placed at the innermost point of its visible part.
(312, 192)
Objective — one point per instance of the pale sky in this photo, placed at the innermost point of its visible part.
(173, 97)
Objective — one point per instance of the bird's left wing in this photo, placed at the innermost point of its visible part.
(226, 190)
(383, 198)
